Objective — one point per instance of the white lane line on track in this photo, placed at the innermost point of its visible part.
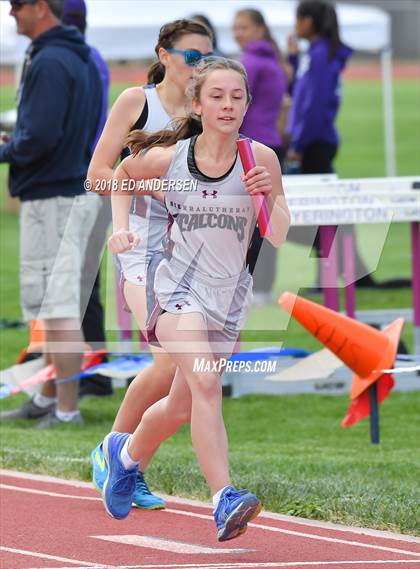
(306, 535)
(292, 564)
(45, 493)
(197, 504)
(84, 564)
(172, 546)
(258, 526)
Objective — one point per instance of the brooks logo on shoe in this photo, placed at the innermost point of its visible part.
(100, 461)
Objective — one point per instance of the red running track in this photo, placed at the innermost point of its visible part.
(48, 523)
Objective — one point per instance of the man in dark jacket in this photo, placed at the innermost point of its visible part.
(59, 104)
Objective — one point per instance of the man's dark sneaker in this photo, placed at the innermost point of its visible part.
(95, 386)
(28, 410)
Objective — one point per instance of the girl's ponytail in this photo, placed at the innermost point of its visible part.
(156, 73)
(138, 140)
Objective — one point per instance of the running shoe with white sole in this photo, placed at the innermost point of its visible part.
(120, 483)
(236, 508)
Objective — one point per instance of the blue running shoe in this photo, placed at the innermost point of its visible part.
(99, 468)
(120, 483)
(235, 509)
(143, 498)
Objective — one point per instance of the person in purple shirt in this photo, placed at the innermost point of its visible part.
(316, 88)
(74, 14)
(268, 83)
(316, 98)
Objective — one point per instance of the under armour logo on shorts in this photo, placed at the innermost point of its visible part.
(140, 279)
(212, 194)
(180, 306)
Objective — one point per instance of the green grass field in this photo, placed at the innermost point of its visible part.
(291, 449)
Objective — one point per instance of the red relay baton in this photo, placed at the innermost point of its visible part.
(260, 206)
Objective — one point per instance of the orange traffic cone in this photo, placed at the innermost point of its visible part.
(36, 334)
(36, 339)
(365, 350)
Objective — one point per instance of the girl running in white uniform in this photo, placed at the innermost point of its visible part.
(148, 217)
(201, 287)
(180, 46)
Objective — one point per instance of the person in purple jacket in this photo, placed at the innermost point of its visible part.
(316, 97)
(268, 83)
(316, 89)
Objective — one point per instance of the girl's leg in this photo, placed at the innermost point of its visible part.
(161, 421)
(152, 383)
(158, 423)
(135, 297)
(148, 387)
(176, 334)
(201, 392)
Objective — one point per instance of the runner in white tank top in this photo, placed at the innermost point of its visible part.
(148, 217)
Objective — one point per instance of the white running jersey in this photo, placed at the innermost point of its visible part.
(211, 223)
(148, 216)
(157, 118)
